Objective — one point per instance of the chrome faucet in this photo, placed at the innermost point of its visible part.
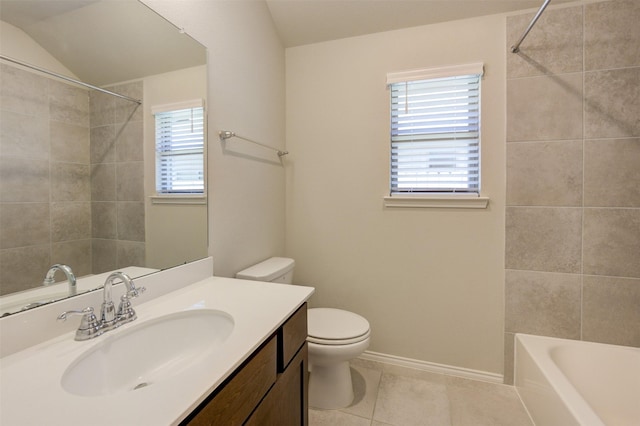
(90, 326)
(71, 279)
(111, 319)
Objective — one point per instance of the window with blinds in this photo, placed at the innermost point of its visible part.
(435, 130)
(180, 148)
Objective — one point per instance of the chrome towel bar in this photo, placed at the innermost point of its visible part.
(226, 134)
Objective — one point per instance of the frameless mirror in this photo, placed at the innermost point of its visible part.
(77, 165)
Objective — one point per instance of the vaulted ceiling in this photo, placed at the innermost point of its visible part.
(105, 41)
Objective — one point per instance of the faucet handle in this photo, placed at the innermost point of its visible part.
(126, 313)
(89, 325)
(134, 292)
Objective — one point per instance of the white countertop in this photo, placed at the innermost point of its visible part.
(30, 389)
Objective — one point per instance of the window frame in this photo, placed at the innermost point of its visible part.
(182, 197)
(435, 198)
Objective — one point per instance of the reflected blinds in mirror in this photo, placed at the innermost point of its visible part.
(180, 148)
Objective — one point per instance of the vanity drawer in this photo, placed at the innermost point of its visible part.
(291, 336)
(242, 393)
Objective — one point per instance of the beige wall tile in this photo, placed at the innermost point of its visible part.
(23, 268)
(130, 217)
(127, 111)
(130, 181)
(612, 173)
(129, 145)
(68, 104)
(70, 221)
(612, 242)
(70, 182)
(509, 347)
(24, 92)
(612, 34)
(76, 254)
(543, 303)
(24, 180)
(103, 182)
(544, 108)
(544, 173)
(554, 47)
(24, 136)
(69, 143)
(103, 144)
(130, 253)
(103, 109)
(610, 232)
(610, 310)
(103, 255)
(24, 224)
(103, 219)
(543, 239)
(612, 103)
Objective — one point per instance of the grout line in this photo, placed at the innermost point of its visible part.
(584, 131)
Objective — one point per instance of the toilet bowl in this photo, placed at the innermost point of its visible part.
(335, 337)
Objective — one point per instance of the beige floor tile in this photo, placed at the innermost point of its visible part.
(408, 401)
(475, 403)
(398, 370)
(366, 382)
(335, 418)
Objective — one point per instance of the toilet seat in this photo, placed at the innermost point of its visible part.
(328, 326)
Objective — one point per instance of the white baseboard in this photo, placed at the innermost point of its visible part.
(433, 367)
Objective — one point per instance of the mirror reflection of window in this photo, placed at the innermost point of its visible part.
(179, 148)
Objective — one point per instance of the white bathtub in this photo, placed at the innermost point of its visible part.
(569, 382)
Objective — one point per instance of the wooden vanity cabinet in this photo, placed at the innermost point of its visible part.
(269, 389)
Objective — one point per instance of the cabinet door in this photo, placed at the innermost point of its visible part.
(291, 337)
(237, 399)
(286, 404)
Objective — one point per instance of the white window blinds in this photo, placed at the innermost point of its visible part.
(435, 130)
(180, 148)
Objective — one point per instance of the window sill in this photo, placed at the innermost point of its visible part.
(436, 201)
(178, 199)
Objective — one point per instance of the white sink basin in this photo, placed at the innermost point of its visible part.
(147, 353)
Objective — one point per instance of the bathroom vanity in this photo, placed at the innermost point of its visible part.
(270, 388)
(213, 351)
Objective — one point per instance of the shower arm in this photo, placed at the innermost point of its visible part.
(516, 47)
(63, 77)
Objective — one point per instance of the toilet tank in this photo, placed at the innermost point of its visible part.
(274, 269)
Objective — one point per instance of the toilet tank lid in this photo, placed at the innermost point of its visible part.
(267, 270)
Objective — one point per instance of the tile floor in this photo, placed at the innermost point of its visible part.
(388, 395)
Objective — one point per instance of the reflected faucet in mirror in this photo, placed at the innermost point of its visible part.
(71, 278)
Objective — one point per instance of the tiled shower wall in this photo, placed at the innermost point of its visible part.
(573, 176)
(46, 211)
(45, 208)
(117, 179)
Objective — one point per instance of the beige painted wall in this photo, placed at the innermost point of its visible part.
(246, 95)
(175, 233)
(18, 45)
(430, 281)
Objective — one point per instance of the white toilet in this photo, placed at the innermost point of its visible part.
(335, 337)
